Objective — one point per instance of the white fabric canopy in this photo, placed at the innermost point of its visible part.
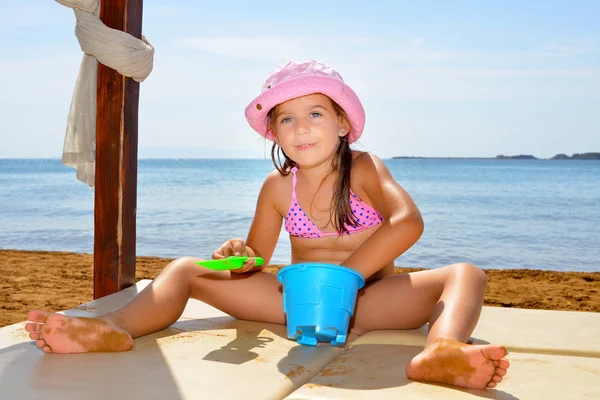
(118, 50)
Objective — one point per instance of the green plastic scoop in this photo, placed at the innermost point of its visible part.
(233, 262)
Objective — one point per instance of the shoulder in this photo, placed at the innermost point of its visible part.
(275, 181)
(276, 191)
(366, 165)
(370, 175)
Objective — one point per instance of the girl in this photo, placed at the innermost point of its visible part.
(340, 207)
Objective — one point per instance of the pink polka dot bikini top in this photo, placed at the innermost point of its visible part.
(298, 224)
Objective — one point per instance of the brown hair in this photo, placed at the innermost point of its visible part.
(341, 214)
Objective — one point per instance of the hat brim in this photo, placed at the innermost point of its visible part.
(256, 112)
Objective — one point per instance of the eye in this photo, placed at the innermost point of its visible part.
(315, 114)
(286, 120)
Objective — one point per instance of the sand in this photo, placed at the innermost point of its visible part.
(57, 281)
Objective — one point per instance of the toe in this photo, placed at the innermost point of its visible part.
(503, 363)
(491, 384)
(494, 352)
(29, 327)
(35, 335)
(500, 372)
(496, 378)
(47, 349)
(40, 343)
(37, 315)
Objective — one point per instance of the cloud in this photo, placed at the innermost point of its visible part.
(418, 56)
(416, 42)
(556, 49)
(259, 48)
(374, 50)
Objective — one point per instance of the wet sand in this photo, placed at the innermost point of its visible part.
(57, 281)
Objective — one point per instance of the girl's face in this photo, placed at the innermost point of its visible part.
(308, 129)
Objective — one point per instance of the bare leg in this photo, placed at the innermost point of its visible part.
(253, 296)
(450, 299)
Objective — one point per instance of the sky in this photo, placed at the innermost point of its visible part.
(436, 78)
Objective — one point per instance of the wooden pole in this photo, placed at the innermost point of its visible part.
(116, 161)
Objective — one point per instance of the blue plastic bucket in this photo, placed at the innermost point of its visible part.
(318, 300)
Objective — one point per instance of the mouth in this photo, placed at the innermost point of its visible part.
(306, 146)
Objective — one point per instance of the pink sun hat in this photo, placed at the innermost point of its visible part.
(300, 78)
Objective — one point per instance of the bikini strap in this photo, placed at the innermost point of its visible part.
(294, 170)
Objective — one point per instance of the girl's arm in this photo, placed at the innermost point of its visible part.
(266, 224)
(402, 226)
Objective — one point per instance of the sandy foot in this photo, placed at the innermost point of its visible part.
(455, 363)
(57, 333)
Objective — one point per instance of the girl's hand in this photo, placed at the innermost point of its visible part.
(236, 247)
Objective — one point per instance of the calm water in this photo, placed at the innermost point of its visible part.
(494, 213)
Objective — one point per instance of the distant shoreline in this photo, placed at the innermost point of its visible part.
(576, 156)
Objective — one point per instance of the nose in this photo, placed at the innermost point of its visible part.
(301, 127)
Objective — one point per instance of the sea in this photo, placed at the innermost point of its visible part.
(498, 214)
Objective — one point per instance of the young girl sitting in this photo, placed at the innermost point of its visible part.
(339, 206)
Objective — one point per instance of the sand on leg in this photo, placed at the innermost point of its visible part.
(252, 296)
(450, 299)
